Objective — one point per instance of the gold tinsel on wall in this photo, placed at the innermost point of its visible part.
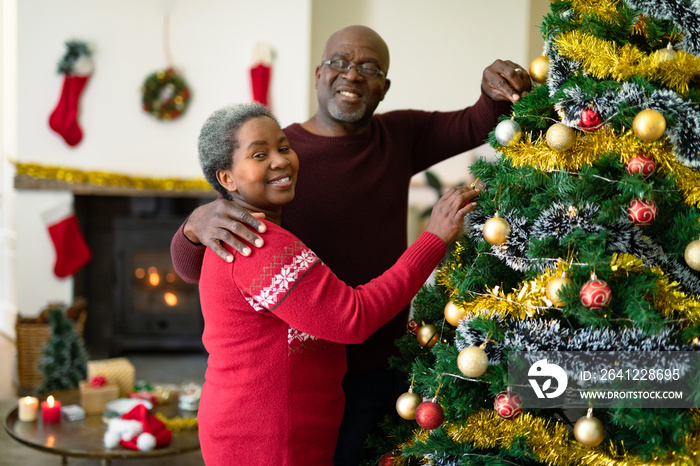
(105, 178)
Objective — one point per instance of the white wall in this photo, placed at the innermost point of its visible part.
(8, 131)
(438, 51)
(211, 42)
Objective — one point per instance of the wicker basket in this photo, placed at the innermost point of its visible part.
(32, 335)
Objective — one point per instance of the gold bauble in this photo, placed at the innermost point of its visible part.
(539, 69)
(427, 335)
(454, 313)
(589, 431)
(472, 361)
(553, 287)
(692, 254)
(560, 137)
(649, 125)
(496, 230)
(406, 405)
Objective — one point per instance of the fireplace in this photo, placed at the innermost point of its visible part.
(136, 301)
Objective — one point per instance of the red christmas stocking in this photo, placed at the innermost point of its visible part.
(72, 251)
(64, 119)
(263, 56)
(260, 77)
(76, 66)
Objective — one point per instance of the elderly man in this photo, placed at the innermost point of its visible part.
(352, 191)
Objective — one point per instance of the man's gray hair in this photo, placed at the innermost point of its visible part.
(219, 138)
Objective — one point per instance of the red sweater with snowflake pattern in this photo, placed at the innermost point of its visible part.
(275, 327)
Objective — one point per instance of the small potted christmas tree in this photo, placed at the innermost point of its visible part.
(64, 358)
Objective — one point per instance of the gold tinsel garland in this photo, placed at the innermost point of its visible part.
(520, 304)
(442, 275)
(178, 424)
(604, 59)
(525, 300)
(103, 178)
(590, 146)
(606, 9)
(668, 298)
(551, 441)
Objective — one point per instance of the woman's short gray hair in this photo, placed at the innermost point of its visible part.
(219, 138)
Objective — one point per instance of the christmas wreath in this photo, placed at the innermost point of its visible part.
(165, 94)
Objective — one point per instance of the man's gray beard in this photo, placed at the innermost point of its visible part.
(340, 115)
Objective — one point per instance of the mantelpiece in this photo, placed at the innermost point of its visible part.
(90, 189)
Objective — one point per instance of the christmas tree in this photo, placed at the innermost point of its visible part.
(64, 358)
(585, 239)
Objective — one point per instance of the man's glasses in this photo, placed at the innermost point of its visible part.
(367, 70)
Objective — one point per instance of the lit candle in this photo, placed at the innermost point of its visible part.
(51, 410)
(28, 407)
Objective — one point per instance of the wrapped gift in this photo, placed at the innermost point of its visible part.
(116, 371)
(94, 399)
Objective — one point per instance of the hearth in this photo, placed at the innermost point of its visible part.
(136, 301)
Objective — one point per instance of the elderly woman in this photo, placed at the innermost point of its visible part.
(277, 319)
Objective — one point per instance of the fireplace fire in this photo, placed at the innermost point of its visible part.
(136, 300)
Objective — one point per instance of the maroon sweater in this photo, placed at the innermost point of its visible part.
(275, 327)
(351, 203)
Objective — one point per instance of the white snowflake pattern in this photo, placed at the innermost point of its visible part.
(282, 282)
(297, 335)
(306, 258)
(286, 277)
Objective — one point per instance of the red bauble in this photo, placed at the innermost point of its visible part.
(641, 212)
(429, 415)
(595, 294)
(386, 460)
(641, 164)
(590, 120)
(508, 405)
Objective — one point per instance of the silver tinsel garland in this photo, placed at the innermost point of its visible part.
(535, 335)
(556, 222)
